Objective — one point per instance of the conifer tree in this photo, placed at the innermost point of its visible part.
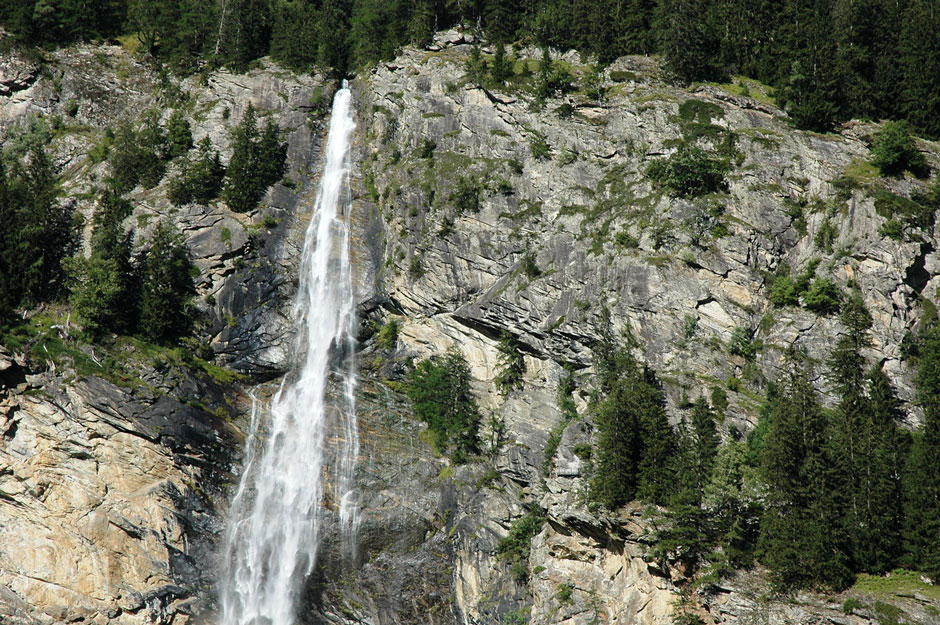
(257, 162)
(922, 488)
(103, 293)
(166, 286)
(179, 135)
(799, 540)
(883, 447)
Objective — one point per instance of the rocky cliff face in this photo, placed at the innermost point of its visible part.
(475, 213)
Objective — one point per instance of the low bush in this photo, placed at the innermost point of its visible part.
(689, 172)
(894, 151)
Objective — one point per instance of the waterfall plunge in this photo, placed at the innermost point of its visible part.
(272, 537)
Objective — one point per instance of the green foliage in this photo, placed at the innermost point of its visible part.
(743, 343)
(199, 177)
(440, 391)
(689, 172)
(922, 481)
(466, 195)
(799, 540)
(891, 229)
(917, 212)
(851, 605)
(36, 232)
(258, 160)
(569, 412)
(179, 135)
(511, 364)
(894, 151)
(635, 443)
(136, 156)
(822, 297)
(476, 66)
(529, 267)
(514, 548)
(688, 41)
(501, 67)
(103, 293)
(539, 147)
(166, 287)
(426, 149)
(387, 337)
(787, 291)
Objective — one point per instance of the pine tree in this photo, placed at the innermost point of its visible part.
(103, 286)
(688, 40)
(922, 481)
(241, 187)
(704, 440)
(501, 69)
(918, 54)
(799, 540)
(166, 286)
(878, 544)
(179, 135)
(441, 392)
(656, 482)
(732, 498)
(270, 155)
(295, 33)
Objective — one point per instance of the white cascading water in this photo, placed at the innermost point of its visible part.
(272, 537)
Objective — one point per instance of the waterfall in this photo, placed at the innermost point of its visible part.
(272, 536)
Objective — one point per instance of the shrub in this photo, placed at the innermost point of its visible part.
(511, 364)
(539, 147)
(466, 197)
(689, 172)
(439, 389)
(388, 334)
(514, 548)
(744, 344)
(826, 235)
(822, 297)
(782, 291)
(851, 605)
(563, 593)
(426, 149)
(529, 266)
(892, 229)
(894, 151)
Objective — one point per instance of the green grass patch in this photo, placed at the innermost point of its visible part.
(862, 172)
(746, 87)
(899, 582)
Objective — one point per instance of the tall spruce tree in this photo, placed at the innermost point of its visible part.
(166, 286)
(922, 488)
(799, 540)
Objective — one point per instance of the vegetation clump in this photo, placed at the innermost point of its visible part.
(258, 160)
(689, 172)
(514, 548)
(511, 364)
(199, 177)
(893, 151)
(440, 391)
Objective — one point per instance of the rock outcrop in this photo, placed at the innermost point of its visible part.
(476, 212)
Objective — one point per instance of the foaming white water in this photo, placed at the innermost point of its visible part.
(272, 538)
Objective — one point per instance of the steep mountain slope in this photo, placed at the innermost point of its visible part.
(477, 212)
